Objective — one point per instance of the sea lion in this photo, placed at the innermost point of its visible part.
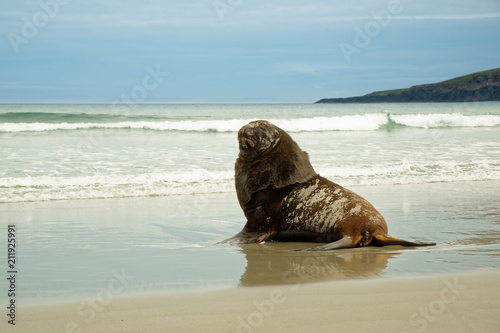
(284, 199)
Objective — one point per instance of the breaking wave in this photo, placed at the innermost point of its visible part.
(363, 122)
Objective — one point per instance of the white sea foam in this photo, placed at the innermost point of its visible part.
(185, 125)
(416, 172)
(113, 185)
(446, 120)
(50, 160)
(200, 181)
(365, 122)
(344, 123)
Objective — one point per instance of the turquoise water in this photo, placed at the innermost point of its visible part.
(53, 152)
(163, 177)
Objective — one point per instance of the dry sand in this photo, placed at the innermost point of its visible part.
(445, 303)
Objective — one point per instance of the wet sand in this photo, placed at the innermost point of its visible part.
(152, 264)
(445, 303)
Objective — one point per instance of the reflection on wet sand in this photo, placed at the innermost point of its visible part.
(271, 264)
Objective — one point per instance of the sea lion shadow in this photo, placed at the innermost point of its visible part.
(275, 264)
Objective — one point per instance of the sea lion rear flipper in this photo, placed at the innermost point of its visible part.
(344, 242)
(383, 240)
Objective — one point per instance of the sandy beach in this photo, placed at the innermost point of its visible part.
(443, 303)
(153, 265)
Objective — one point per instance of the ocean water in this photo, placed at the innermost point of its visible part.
(59, 152)
(146, 192)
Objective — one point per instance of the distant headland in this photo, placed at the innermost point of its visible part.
(480, 86)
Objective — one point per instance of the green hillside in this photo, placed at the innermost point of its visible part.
(480, 86)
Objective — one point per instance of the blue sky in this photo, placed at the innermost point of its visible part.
(237, 50)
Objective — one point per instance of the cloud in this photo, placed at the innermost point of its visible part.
(260, 14)
(24, 85)
(461, 17)
(277, 48)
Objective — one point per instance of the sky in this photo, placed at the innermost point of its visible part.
(232, 51)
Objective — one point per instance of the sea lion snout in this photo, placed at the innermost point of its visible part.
(246, 138)
(247, 142)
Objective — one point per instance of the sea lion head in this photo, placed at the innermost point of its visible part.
(257, 138)
(268, 159)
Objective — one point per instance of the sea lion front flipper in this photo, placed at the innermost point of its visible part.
(344, 242)
(383, 240)
(248, 238)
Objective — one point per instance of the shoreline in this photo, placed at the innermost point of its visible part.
(71, 249)
(435, 303)
(231, 193)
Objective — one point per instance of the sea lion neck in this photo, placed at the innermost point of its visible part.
(280, 164)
